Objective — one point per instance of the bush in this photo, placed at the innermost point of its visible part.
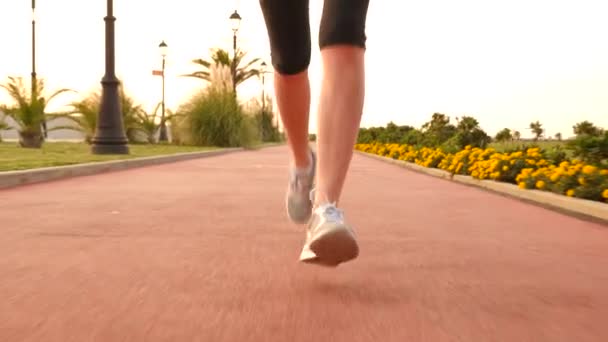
(267, 130)
(592, 149)
(531, 168)
(212, 118)
(249, 132)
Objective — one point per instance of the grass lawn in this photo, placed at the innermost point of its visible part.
(510, 145)
(13, 157)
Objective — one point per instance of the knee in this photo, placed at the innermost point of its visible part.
(287, 22)
(291, 63)
(342, 35)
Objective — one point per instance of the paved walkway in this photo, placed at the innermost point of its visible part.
(201, 251)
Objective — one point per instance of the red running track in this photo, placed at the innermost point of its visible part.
(202, 250)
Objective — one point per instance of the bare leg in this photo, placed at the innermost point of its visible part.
(293, 99)
(339, 116)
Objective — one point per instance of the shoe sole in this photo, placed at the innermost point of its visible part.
(334, 246)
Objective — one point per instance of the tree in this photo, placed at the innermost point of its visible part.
(4, 126)
(392, 133)
(222, 57)
(468, 132)
(586, 128)
(29, 110)
(438, 130)
(83, 115)
(591, 149)
(504, 135)
(516, 135)
(537, 129)
(558, 136)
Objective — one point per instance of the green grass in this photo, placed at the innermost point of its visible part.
(511, 145)
(13, 157)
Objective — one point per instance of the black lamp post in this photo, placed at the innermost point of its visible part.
(235, 19)
(163, 128)
(110, 135)
(34, 79)
(33, 45)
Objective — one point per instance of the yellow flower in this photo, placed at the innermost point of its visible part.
(604, 172)
(581, 180)
(570, 193)
(459, 167)
(505, 168)
(605, 193)
(522, 185)
(540, 184)
(589, 169)
(554, 177)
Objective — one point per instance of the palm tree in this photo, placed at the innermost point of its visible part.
(130, 115)
(222, 57)
(29, 110)
(516, 135)
(558, 136)
(537, 129)
(4, 126)
(84, 115)
(148, 124)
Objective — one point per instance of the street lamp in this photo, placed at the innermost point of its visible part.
(235, 19)
(33, 46)
(34, 80)
(110, 135)
(163, 128)
(264, 72)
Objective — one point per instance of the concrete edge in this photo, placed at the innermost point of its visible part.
(9, 179)
(581, 208)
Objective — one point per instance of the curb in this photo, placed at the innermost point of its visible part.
(9, 179)
(581, 208)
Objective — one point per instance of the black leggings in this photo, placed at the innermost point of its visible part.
(288, 26)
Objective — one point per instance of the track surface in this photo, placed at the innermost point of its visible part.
(202, 251)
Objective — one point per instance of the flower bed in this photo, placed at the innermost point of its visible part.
(528, 169)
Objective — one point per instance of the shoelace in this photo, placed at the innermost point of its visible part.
(329, 210)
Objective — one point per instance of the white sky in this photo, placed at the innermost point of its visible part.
(505, 63)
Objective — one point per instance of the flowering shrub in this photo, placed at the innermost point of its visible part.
(529, 169)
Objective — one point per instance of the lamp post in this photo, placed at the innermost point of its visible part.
(33, 45)
(264, 72)
(34, 79)
(163, 128)
(235, 19)
(110, 135)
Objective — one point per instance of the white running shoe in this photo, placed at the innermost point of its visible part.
(301, 182)
(329, 240)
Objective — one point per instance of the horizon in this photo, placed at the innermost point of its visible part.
(515, 64)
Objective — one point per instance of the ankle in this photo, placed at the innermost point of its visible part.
(303, 163)
(320, 198)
